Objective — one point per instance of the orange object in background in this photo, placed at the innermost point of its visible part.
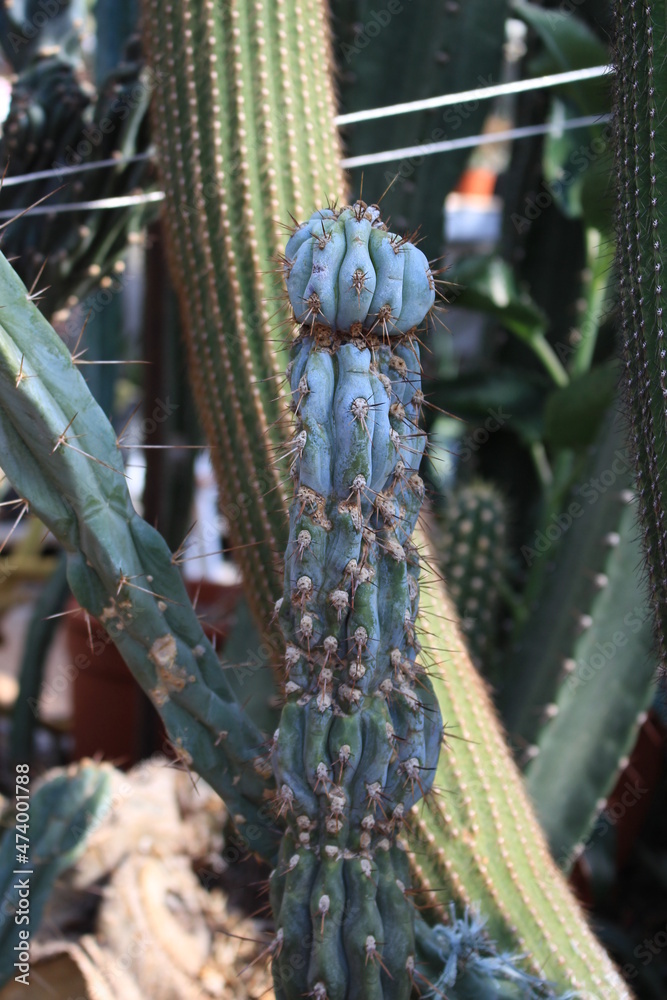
(477, 180)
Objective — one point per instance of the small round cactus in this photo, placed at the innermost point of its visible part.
(360, 730)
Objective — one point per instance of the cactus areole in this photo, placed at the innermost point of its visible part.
(360, 730)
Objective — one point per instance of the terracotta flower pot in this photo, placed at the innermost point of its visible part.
(112, 717)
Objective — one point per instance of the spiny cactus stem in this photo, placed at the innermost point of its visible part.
(641, 87)
(360, 732)
(241, 78)
(197, 249)
(62, 455)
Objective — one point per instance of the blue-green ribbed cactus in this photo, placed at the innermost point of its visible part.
(345, 271)
(360, 730)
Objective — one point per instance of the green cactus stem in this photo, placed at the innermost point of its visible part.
(573, 565)
(593, 721)
(61, 454)
(243, 124)
(580, 671)
(640, 42)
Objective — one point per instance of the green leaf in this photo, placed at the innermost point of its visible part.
(576, 165)
(573, 414)
(569, 44)
(562, 163)
(516, 398)
(487, 283)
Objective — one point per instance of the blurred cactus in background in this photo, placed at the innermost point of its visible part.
(59, 129)
(57, 818)
(33, 29)
(473, 554)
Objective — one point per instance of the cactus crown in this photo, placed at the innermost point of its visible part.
(345, 271)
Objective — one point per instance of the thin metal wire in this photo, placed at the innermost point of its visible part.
(122, 201)
(428, 149)
(370, 114)
(367, 159)
(387, 156)
(40, 175)
(478, 94)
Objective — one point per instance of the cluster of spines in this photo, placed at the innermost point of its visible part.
(360, 730)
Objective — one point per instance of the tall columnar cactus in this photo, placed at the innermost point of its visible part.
(360, 731)
(243, 124)
(641, 86)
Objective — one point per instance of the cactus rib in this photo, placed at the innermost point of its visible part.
(593, 720)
